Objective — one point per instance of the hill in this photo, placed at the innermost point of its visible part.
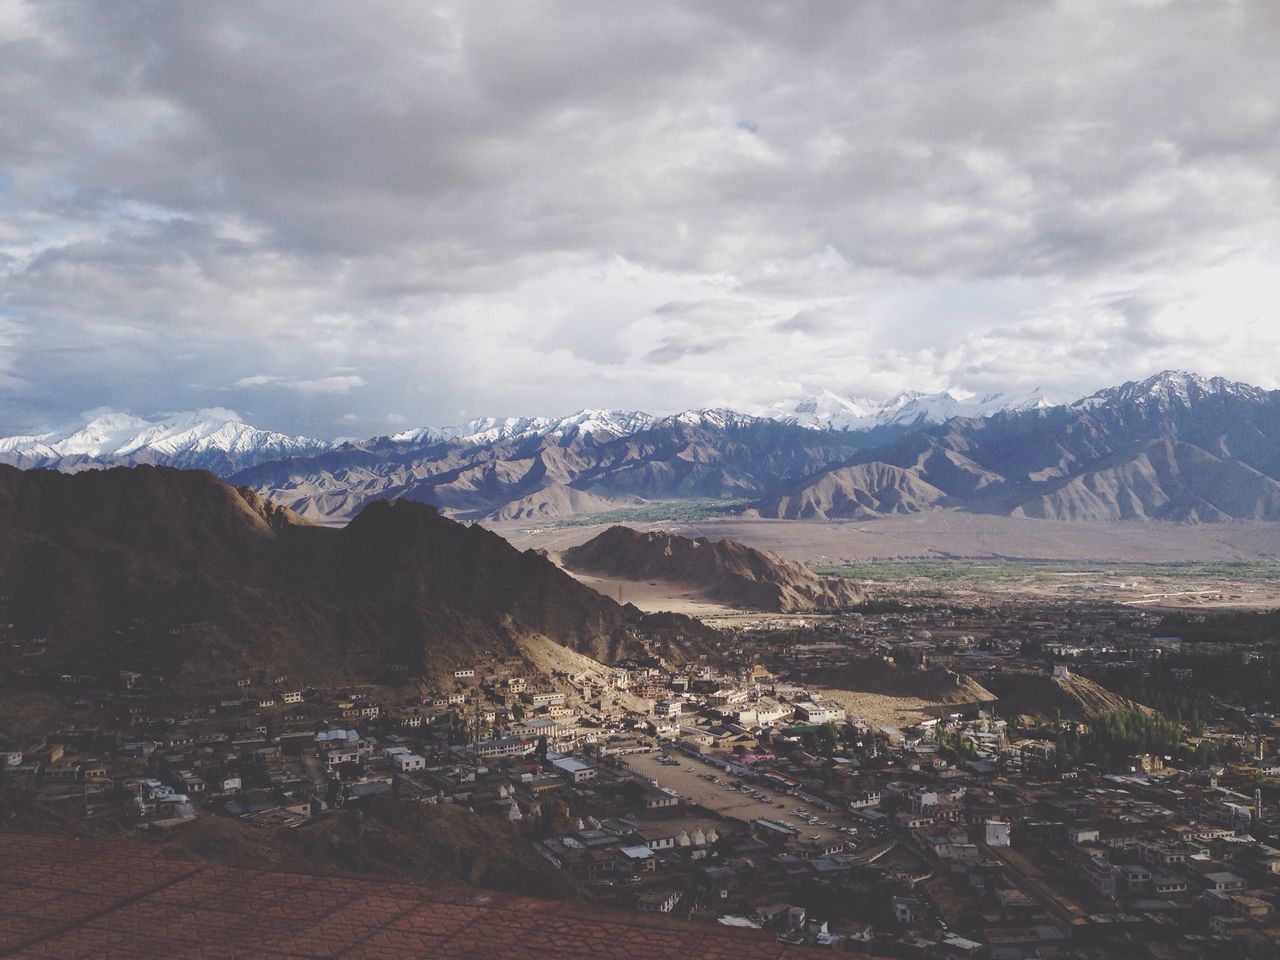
(723, 570)
(174, 572)
(1040, 695)
(886, 693)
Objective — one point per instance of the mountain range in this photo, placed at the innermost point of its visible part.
(1175, 447)
(216, 440)
(174, 572)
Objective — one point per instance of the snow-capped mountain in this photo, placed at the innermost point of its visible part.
(215, 439)
(910, 409)
(716, 418)
(600, 424)
(1171, 389)
(823, 411)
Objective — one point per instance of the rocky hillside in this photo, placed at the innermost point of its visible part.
(725, 571)
(722, 570)
(172, 571)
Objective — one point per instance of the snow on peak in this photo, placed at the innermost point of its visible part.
(715, 417)
(823, 411)
(600, 424)
(1171, 388)
(213, 438)
(910, 408)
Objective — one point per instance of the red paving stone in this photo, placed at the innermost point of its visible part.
(66, 899)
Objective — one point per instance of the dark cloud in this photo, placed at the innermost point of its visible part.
(467, 210)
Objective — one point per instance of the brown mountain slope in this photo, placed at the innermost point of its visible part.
(174, 572)
(724, 570)
(1174, 448)
(853, 493)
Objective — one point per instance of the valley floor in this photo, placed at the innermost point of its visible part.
(942, 534)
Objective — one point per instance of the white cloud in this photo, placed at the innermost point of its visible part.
(335, 384)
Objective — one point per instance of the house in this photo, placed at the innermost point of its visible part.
(656, 836)
(659, 800)
(1223, 882)
(539, 699)
(1137, 878)
(636, 858)
(506, 747)
(292, 696)
(1164, 885)
(465, 674)
(409, 762)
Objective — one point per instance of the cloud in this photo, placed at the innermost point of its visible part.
(496, 213)
(335, 384)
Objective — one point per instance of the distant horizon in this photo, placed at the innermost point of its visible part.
(226, 414)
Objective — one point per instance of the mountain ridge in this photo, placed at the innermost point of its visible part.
(1175, 447)
(178, 573)
(724, 570)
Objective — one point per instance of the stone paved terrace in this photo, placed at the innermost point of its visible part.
(101, 900)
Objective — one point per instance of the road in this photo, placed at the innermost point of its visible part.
(723, 799)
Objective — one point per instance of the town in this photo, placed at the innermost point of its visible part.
(930, 816)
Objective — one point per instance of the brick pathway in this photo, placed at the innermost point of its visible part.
(63, 899)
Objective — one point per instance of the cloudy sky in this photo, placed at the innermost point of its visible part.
(339, 218)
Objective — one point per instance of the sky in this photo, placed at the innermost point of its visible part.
(343, 219)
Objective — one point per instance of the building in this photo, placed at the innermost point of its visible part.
(996, 833)
(1101, 875)
(409, 762)
(809, 712)
(574, 770)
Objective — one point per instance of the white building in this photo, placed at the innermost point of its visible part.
(997, 833)
(809, 712)
(574, 769)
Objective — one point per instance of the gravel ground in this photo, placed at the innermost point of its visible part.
(723, 799)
